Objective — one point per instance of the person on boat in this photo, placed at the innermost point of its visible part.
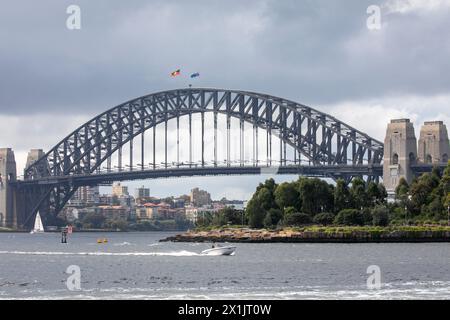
(213, 245)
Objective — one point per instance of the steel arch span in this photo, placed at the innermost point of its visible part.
(330, 147)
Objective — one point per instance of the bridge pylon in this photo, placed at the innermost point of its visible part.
(433, 143)
(400, 152)
(33, 156)
(8, 175)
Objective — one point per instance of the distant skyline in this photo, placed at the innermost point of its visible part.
(233, 188)
(319, 53)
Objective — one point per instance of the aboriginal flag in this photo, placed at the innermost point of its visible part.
(176, 73)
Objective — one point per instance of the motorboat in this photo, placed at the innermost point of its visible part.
(38, 225)
(217, 250)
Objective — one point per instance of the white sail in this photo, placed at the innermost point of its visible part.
(38, 226)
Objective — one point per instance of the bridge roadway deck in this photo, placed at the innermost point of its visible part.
(136, 174)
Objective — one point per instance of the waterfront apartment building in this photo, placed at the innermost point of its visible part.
(151, 211)
(86, 195)
(114, 212)
(141, 212)
(162, 211)
(119, 190)
(192, 213)
(200, 198)
(142, 192)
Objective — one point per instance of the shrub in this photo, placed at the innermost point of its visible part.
(349, 217)
(268, 221)
(297, 219)
(367, 217)
(380, 216)
(272, 218)
(324, 219)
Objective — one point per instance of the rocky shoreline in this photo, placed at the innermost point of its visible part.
(333, 235)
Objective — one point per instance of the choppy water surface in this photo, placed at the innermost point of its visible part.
(137, 266)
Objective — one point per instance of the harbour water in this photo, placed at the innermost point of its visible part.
(138, 266)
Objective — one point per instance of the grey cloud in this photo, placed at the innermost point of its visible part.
(316, 52)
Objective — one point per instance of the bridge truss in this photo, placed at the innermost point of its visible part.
(307, 142)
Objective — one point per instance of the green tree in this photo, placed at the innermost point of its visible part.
(204, 219)
(341, 196)
(382, 193)
(376, 193)
(286, 195)
(402, 189)
(349, 217)
(93, 220)
(324, 218)
(447, 201)
(380, 216)
(444, 185)
(228, 216)
(445, 180)
(267, 222)
(234, 216)
(266, 199)
(219, 220)
(255, 213)
(435, 209)
(316, 196)
(297, 219)
(272, 218)
(358, 193)
(421, 190)
(262, 201)
(289, 211)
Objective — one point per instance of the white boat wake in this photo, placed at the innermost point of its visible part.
(125, 243)
(182, 253)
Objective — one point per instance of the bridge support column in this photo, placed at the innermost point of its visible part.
(28, 198)
(400, 150)
(433, 143)
(8, 175)
(33, 156)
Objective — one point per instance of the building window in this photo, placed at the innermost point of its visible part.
(429, 159)
(412, 158)
(445, 158)
(395, 159)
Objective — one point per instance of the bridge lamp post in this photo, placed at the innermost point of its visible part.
(406, 210)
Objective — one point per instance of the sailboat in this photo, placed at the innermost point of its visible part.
(38, 226)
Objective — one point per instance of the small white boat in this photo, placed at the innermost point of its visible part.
(38, 226)
(220, 251)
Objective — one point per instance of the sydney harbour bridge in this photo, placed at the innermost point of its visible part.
(194, 132)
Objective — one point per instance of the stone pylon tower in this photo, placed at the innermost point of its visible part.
(33, 156)
(433, 143)
(8, 173)
(400, 151)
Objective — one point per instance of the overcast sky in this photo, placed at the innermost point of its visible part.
(319, 53)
